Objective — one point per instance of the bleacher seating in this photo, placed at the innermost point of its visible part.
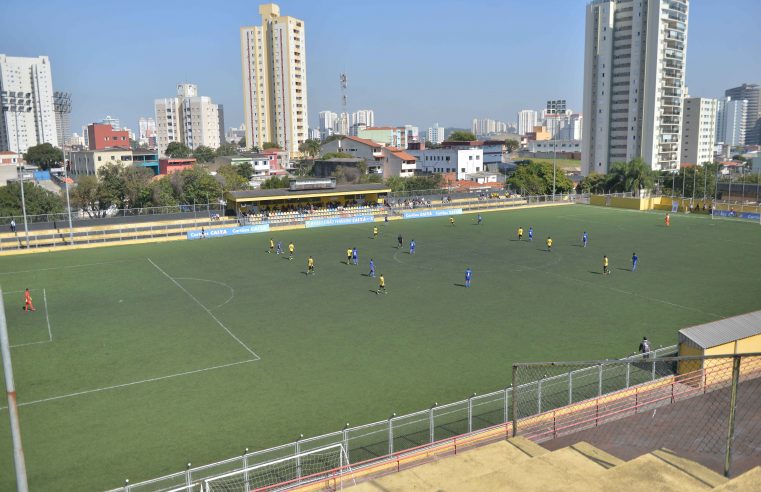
(519, 464)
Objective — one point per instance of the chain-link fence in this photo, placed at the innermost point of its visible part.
(375, 442)
(703, 408)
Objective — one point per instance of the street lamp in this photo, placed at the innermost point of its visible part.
(15, 103)
(66, 180)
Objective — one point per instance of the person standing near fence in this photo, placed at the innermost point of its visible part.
(644, 347)
(13, 226)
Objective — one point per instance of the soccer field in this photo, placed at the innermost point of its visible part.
(140, 359)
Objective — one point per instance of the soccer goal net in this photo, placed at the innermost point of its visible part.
(327, 463)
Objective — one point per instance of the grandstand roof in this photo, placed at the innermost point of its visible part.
(723, 331)
(286, 194)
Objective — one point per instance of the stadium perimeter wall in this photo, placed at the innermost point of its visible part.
(52, 249)
(665, 203)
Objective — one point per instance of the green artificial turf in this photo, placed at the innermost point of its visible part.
(130, 386)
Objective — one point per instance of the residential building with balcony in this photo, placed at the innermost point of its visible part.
(634, 82)
(698, 130)
(273, 61)
(187, 118)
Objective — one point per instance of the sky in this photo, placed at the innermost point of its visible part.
(412, 62)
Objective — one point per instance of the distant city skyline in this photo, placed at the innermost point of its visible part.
(493, 75)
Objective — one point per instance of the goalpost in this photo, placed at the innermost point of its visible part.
(326, 463)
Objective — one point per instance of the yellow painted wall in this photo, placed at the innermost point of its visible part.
(686, 366)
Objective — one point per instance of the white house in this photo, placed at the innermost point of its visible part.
(461, 160)
(397, 162)
(360, 148)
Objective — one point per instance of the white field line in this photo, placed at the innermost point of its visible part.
(65, 267)
(622, 291)
(133, 383)
(248, 349)
(232, 291)
(47, 318)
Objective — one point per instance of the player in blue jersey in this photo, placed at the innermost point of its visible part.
(468, 275)
(412, 247)
(585, 238)
(530, 233)
(372, 268)
(479, 219)
(635, 259)
(279, 249)
(355, 256)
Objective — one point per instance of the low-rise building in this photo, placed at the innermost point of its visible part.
(387, 135)
(260, 163)
(398, 163)
(102, 136)
(175, 165)
(362, 148)
(494, 153)
(88, 162)
(463, 158)
(148, 159)
(570, 149)
(9, 158)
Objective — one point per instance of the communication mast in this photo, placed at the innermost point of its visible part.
(344, 84)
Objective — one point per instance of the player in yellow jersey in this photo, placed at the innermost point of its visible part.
(451, 220)
(375, 232)
(272, 246)
(605, 270)
(348, 256)
(291, 249)
(381, 285)
(549, 244)
(520, 233)
(310, 266)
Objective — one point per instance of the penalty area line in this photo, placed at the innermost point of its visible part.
(175, 282)
(47, 319)
(133, 383)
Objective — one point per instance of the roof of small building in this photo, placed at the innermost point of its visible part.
(366, 141)
(287, 193)
(722, 331)
(401, 154)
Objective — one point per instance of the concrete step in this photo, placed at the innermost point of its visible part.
(530, 448)
(748, 481)
(543, 473)
(657, 471)
(606, 460)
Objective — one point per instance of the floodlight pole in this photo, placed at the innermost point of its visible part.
(68, 202)
(21, 178)
(10, 389)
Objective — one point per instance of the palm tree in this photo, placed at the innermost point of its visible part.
(631, 176)
(310, 147)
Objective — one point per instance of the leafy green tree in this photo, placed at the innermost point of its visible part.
(86, 195)
(137, 189)
(594, 183)
(38, 200)
(226, 150)
(162, 192)
(245, 170)
(415, 183)
(276, 182)
(231, 179)
(631, 176)
(270, 145)
(43, 155)
(512, 145)
(195, 185)
(242, 143)
(177, 150)
(111, 187)
(536, 178)
(335, 136)
(461, 136)
(203, 154)
(310, 147)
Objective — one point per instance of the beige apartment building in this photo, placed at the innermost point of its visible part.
(273, 60)
(187, 118)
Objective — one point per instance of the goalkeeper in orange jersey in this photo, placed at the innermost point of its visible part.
(28, 301)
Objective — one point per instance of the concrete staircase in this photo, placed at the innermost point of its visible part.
(521, 465)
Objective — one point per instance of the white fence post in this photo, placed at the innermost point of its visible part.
(297, 448)
(539, 396)
(570, 387)
(391, 433)
(599, 382)
(628, 372)
(470, 413)
(431, 424)
(245, 468)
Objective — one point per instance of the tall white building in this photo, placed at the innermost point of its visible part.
(146, 128)
(436, 134)
(731, 119)
(114, 122)
(527, 120)
(488, 126)
(26, 103)
(698, 130)
(363, 117)
(413, 133)
(342, 125)
(273, 58)
(62, 108)
(634, 70)
(328, 121)
(187, 118)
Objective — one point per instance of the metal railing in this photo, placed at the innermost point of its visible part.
(373, 442)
